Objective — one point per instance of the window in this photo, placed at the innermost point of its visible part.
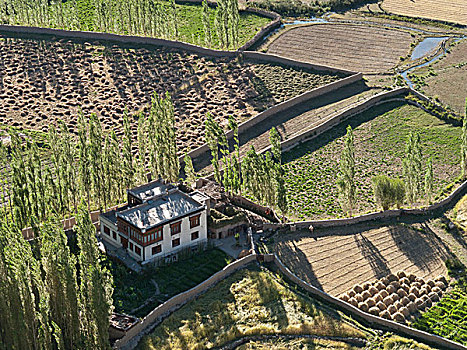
(194, 235)
(138, 250)
(175, 242)
(107, 230)
(114, 235)
(131, 246)
(157, 249)
(176, 228)
(194, 221)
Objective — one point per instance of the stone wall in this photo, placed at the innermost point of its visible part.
(374, 321)
(130, 340)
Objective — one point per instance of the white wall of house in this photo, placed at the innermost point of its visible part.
(112, 228)
(184, 235)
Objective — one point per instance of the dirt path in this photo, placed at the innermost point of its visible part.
(337, 262)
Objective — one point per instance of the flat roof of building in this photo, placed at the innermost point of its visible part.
(150, 190)
(160, 210)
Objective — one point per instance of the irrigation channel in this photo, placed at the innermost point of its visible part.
(426, 47)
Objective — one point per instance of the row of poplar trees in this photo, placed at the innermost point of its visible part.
(93, 165)
(414, 184)
(50, 297)
(260, 175)
(153, 18)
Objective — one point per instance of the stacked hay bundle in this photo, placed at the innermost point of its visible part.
(398, 297)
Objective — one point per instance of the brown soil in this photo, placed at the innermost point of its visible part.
(42, 81)
(443, 10)
(350, 46)
(449, 83)
(337, 262)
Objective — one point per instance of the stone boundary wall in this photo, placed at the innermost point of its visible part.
(314, 93)
(271, 58)
(340, 117)
(388, 214)
(134, 39)
(132, 337)
(378, 322)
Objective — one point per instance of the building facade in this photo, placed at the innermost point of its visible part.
(158, 222)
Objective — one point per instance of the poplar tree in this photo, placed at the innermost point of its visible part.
(206, 24)
(212, 134)
(275, 140)
(95, 288)
(84, 164)
(464, 146)
(429, 179)
(127, 156)
(60, 281)
(68, 147)
(190, 175)
(412, 167)
(142, 148)
(95, 158)
(346, 180)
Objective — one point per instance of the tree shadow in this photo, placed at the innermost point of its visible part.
(377, 261)
(421, 247)
(297, 261)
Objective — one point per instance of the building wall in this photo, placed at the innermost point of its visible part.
(184, 235)
(112, 228)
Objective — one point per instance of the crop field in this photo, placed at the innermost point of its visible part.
(445, 79)
(355, 47)
(184, 24)
(380, 134)
(339, 260)
(448, 318)
(454, 11)
(138, 294)
(59, 77)
(250, 302)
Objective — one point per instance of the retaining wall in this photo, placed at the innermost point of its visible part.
(131, 338)
(372, 320)
(280, 108)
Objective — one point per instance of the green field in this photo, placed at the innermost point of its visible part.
(256, 301)
(380, 134)
(133, 17)
(132, 290)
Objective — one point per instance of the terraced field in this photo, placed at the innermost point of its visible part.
(445, 79)
(339, 260)
(355, 47)
(58, 77)
(380, 134)
(454, 11)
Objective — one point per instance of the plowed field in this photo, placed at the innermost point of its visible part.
(442, 10)
(355, 47)
(336, 263)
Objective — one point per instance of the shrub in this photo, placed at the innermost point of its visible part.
(388, 192)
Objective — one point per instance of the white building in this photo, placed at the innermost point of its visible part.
(159, 221)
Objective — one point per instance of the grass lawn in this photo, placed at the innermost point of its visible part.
(380, 134)
(132, 290)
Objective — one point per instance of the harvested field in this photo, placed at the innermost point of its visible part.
(446, 78)
(380, 134)
(338, 261)
(454, 11)
(250, 302)
(45, 80)
(355, 47)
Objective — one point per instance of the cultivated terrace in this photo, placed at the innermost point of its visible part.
(230, 174)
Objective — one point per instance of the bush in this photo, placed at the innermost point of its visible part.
(388, 192)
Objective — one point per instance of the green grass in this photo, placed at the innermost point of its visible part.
(132, 289)
(380, 135)
(250, 302)
(188, 20)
